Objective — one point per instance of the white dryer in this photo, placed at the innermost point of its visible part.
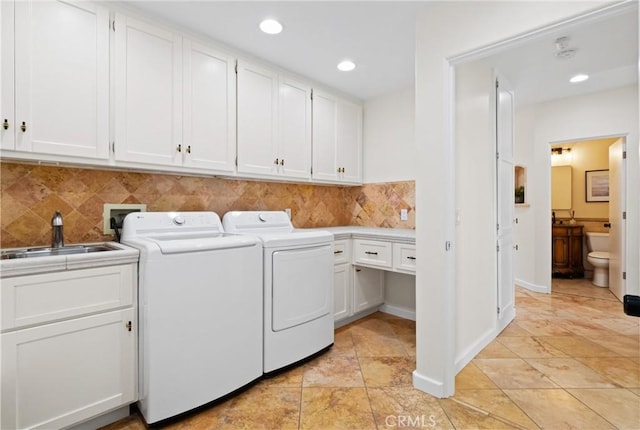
(200, 310)
(298, 285)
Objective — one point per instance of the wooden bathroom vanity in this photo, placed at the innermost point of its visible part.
(566, 251)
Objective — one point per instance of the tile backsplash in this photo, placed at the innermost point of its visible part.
(30, 194)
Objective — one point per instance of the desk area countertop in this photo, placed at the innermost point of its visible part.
(399, 235)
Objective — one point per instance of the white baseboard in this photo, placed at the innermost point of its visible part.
(532, 287)
(399, 311)
(467, 355)
(428, 385)
(355, 317)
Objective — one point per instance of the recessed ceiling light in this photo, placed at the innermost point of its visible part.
(271, 26)
(346, 66)
(579, 78)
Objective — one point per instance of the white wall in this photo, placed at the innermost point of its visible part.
(445, 30)
(389, 144)
(606, 113)
(475, 209)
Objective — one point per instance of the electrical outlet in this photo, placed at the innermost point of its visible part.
(403, 214)
(118, 211)
(288, 212)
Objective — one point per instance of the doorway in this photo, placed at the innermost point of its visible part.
(578, 214)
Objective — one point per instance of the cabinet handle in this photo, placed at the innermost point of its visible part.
(411, 258)
(358, 270)
(23, 127)
(128, 325)
(179, 148)
(515, 247)
(189, 149)
(340, 170)
(282, 162)
(5, 124)
(338, 252)
(371, 252)
(277, 161)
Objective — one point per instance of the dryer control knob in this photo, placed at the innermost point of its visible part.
(262, 217)
(179, 220)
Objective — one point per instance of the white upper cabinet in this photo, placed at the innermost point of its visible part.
(148, 93)
(7, 107)
(294, 149)
(257, 119)
(209, 108)
(57, 102)
(274, 124)
(337, 139)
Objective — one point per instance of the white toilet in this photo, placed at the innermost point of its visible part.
(598, 246)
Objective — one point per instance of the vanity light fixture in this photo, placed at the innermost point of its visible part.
(270, 26)
(559, 151)
(579, 78)
(346, 66)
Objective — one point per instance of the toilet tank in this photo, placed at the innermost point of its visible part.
(597, 241)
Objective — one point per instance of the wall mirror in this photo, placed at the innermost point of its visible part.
(561, 188)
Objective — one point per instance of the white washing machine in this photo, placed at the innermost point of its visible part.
(200, 310)
(298, 285)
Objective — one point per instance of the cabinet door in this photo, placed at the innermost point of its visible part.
(294, 150)
(341, 291)
(257, 119)
(148, 93)
(368, 288)
(59, 374)
(62, 78)
(325, 128)
(209, 108)
(349, 132)
(7, 117)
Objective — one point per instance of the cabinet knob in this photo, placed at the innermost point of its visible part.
(23, 127)
(282, 162)
(276, 161)
(128, 325)
(515, 247)
(5, 124)
(189, 149)
(179, 148)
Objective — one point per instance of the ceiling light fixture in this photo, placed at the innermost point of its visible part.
(271, 26)
(579, 78)
(346, 66)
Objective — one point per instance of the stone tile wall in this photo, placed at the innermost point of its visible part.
(30, 194)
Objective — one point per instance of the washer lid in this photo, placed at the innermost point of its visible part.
(173, 244)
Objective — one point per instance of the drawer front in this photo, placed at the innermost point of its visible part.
(341, 252)
(372, 253)
(404, 257)
(37, 299)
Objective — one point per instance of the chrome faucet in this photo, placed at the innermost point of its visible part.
(57, 238)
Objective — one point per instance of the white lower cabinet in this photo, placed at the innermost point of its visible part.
(368, 288)
(72, 367)
(356, 288)
(342, 291)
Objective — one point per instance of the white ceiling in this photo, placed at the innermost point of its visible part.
(379, 37)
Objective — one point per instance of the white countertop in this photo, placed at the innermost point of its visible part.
(403, 235)
(56, 263)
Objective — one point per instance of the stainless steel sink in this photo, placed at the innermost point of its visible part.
(46, 252)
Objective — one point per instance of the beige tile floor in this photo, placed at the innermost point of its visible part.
(570, 360)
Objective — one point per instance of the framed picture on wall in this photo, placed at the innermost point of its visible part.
(596, 185)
